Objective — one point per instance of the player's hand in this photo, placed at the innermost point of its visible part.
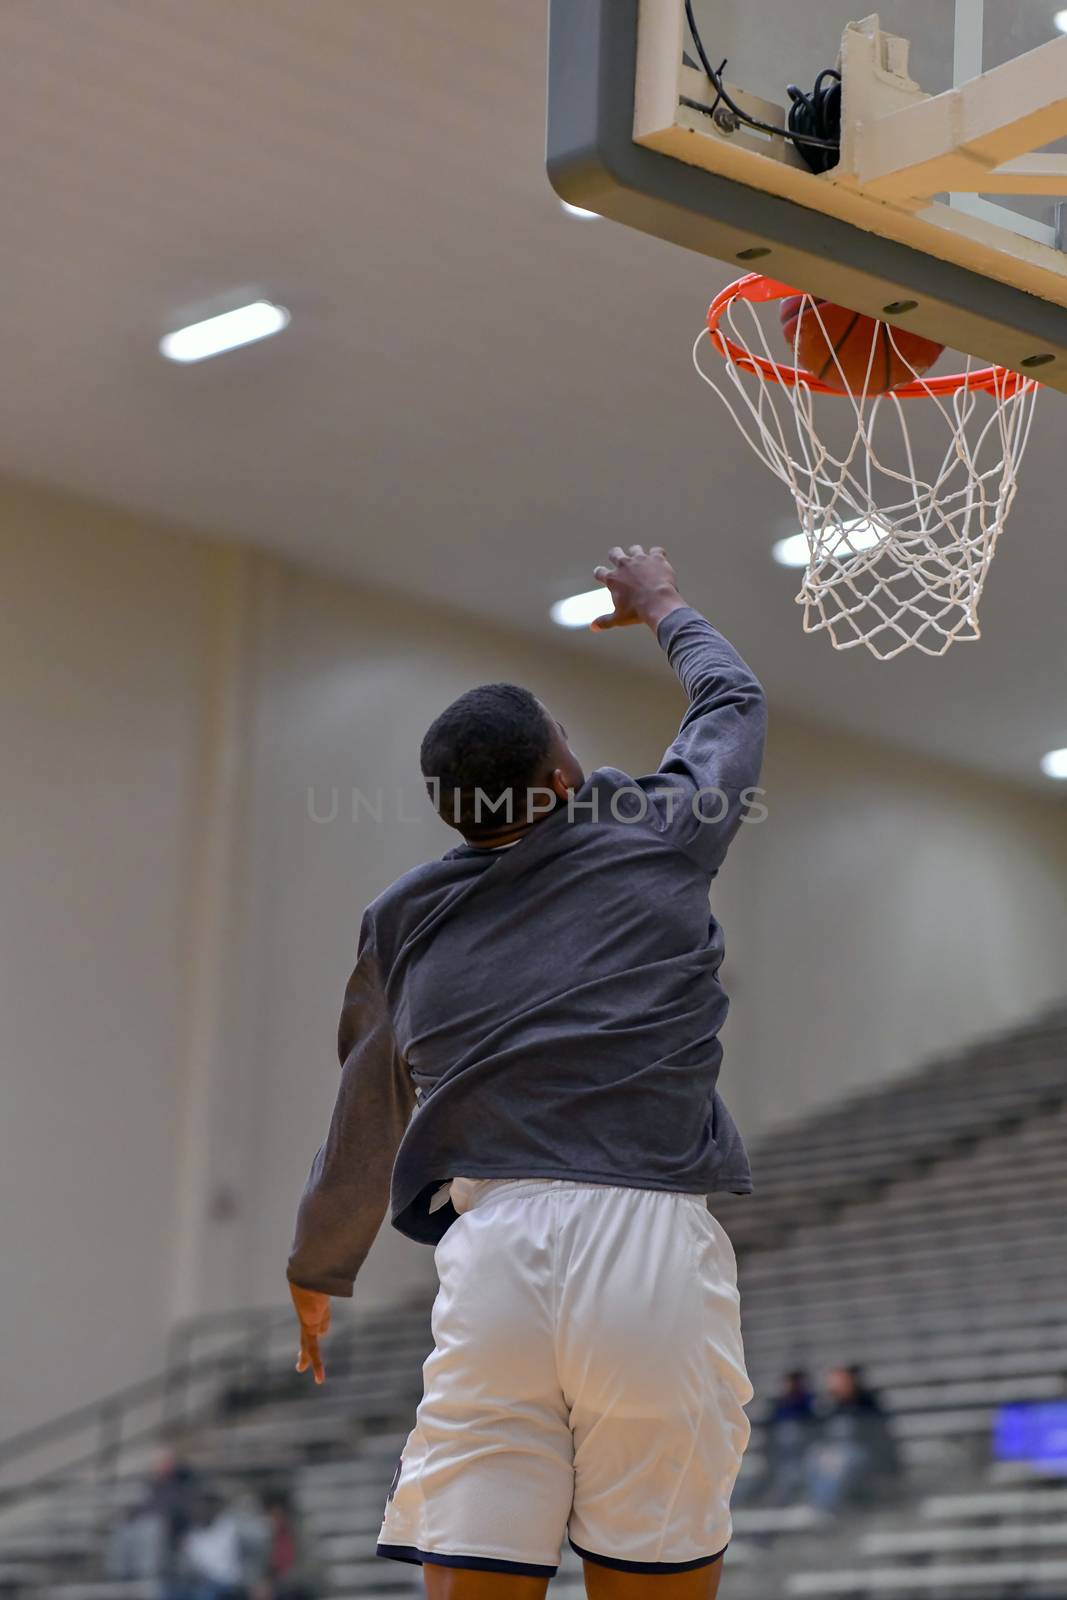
(641, 584)
(313, 1309)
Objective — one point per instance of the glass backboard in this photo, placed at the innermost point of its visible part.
(632, 135)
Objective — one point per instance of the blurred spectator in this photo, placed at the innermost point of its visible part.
(855, 1460)
(791, 1429)
(293, 1571)
(173, 1493)
(224, 1553)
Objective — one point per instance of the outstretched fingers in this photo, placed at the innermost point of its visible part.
(310, 1356)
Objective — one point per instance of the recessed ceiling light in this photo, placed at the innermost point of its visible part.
(243, 326)
(577, 211)
(1054, 765)
(857, 535)
(579, 610)
(1060, 21)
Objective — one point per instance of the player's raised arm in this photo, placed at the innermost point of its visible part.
(707, 775)
(347, 1192)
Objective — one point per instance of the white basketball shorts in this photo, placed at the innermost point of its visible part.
(588, 1380)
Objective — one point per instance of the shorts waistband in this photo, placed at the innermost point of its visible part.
(470, 1193)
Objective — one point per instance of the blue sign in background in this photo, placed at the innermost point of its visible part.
(1034, 1432)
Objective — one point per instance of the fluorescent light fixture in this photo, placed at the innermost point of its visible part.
(857, 535)
(792, 551)
(1054, 765)
(579, 610)
(1060, 21)
(577, 211)
(243, 326)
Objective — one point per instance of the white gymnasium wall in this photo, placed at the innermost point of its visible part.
(177, 925)
(102, 681)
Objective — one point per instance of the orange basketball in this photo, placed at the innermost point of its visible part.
(834, 344)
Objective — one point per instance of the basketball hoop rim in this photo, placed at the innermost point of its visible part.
(998, 381)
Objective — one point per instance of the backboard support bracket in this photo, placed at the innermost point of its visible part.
(979, 137)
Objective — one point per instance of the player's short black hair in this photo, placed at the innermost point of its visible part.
(482, 755)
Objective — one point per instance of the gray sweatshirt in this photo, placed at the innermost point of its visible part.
(551, 1010)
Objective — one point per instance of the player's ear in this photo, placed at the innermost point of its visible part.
(557, 782)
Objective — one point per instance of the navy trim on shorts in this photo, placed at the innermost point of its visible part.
(645, 1566)
(522, 1569)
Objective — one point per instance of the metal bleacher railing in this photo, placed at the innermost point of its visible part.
(207, 1357)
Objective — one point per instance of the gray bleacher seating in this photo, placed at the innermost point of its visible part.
(1020, 1506)
(1024, 1574)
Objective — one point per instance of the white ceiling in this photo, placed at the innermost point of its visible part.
(477, 395)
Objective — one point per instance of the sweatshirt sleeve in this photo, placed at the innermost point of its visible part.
(708, 775)
(347, 1192)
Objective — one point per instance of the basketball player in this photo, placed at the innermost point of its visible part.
(545, 1000)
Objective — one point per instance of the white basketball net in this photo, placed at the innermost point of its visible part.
(902, 501)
